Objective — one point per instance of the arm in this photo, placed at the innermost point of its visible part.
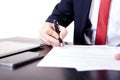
(63, 13)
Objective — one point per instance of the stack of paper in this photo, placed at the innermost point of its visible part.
(83, 58)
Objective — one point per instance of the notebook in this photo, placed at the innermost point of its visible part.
(12, 47)
(19, 60)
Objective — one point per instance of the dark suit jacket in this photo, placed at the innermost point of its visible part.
(78, 10)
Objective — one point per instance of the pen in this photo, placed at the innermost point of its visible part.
(56, 25)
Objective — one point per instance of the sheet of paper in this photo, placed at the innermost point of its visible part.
(83, 58)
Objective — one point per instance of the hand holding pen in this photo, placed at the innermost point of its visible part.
(49, 36)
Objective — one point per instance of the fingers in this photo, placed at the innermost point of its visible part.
(63, 32)
(49, 36)
(51, 32)
(49, 40)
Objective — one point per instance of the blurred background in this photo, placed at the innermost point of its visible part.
(23, 18)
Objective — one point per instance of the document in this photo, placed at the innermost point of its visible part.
(82, 58)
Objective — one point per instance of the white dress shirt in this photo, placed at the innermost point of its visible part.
(113, 32)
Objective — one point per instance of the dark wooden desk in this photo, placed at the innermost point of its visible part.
(31, 72)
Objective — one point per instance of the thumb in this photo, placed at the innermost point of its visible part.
(63, 32)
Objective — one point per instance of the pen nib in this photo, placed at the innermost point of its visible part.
(61, 42)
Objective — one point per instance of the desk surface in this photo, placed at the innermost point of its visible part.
(31, 72)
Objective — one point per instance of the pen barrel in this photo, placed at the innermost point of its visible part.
(56, 26)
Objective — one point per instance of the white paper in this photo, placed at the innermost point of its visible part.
(83, 58)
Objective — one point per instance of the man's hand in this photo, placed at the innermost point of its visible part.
(49, 36)
(117, 57)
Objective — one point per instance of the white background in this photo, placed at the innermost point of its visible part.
(23, 18)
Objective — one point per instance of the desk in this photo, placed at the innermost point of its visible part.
(31, 72)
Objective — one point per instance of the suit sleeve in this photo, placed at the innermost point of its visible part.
(63, 13)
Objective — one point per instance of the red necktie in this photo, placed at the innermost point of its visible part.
(103, 15)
